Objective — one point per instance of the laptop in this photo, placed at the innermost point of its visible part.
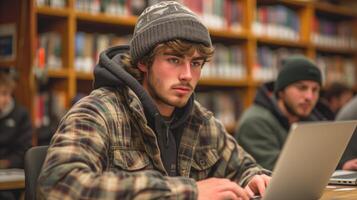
(344, 177)
(308, 158)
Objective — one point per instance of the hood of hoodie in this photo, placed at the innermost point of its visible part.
(265, 98)
(109, 72)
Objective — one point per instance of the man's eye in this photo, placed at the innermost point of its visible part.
(301, 87)
(174, 60)
(197, 64)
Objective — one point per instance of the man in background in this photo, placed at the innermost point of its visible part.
(263, 128)
(15, 129)
(332, 98)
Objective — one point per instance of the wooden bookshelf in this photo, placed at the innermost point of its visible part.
(7, 63)
(84, 76)
(49, 11)
(68, 21)
(332, 9)
(281, 42)
(336, 50)
(106, 19)
(223, 82)
(61, 73)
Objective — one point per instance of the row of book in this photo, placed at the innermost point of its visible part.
(337, 68)
(52, 3)
(218, 13)
(49, 51)
(268, 61)
(333, 33)
(228, 63)
(48, 105)
(112, 7)
(333, 67)
(225, 105)
(276, 21)
(214, 13)
(90, 45)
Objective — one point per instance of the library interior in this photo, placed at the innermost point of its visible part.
(51, 47)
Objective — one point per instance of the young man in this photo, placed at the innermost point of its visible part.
(263, 128)
(140, 134)
(15, 130)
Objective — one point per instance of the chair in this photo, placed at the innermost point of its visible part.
(34, 159)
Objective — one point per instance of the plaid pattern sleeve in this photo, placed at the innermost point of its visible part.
(78, 165)
(234, 162)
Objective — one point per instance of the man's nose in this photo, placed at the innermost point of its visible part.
(309, 94)
(185, 73)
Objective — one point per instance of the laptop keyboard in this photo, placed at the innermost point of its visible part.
(352, 175)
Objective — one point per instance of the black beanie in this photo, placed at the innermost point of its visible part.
(296, 68)
(165, 21)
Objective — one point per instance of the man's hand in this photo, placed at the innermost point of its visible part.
(257, 185)
(219, 188)
(350, 165)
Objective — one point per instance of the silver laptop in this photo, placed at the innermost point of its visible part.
(308, 158)
(344, 177)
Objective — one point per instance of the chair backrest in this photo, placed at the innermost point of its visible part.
(34, 159)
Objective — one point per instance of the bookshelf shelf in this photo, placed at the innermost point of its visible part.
(290, 3)
(7, 63)
(281, 42)
(49, 11)
(333, 9)
(84, 76)
(223, 82)
(58, 73)
(336, 50)
(106, 19)
(228, 34)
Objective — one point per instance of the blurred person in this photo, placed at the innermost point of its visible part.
(15, 130)
(264, 127)
(333, 97)
(45, 133)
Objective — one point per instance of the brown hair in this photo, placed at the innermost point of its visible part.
(180, 46)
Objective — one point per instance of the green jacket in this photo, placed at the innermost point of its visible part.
(261, 134)
(104, 149)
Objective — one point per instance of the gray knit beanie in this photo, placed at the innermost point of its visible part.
(296, 68)
(165, 21)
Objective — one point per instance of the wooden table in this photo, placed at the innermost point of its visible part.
(12, 179)
(10, 185)
(339, 193)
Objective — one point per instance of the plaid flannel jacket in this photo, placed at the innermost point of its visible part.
(104, 149)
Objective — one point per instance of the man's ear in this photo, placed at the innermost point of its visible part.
(142, 67)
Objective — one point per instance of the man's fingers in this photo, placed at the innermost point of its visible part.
(234, 187)
(249, 191)
(228, 195)
(258, 184)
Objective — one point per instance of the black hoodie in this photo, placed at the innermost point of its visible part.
(109, 72)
